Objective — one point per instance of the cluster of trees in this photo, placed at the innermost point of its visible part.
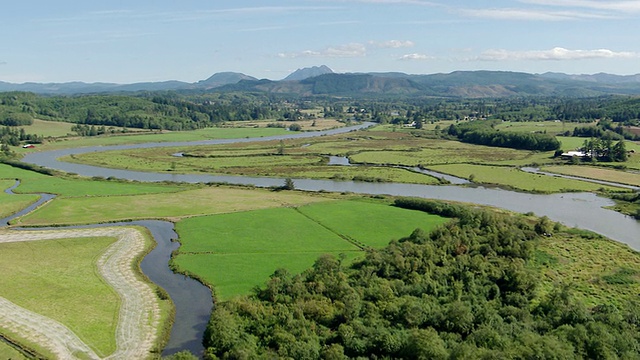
(605, 129)
(15, 136)
(462, 292)
(11, 136)
(605, 150)
(482, 133)
(93, 130)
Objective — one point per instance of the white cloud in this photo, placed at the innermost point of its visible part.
(416, 57)
(348, 50)
(393, 44)
(556, 53)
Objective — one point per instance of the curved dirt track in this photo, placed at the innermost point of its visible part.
(139, 315)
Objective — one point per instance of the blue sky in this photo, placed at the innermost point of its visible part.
(189, 40)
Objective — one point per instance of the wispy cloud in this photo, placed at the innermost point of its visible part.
(621, 6)
(530, 14)
(415, 56)
(2, 62)
(392, 44)
(348, 50)
(395, 2)
(556, 53)
(180, 16)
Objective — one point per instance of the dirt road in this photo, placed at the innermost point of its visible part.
(139, 315)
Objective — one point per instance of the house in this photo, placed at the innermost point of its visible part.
(28, 146)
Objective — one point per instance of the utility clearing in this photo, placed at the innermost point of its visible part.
(139, 315)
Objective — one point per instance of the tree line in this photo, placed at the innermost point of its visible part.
(464, 291)
(482, 133)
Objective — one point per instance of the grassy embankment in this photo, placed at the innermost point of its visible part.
(236, 252)
(70, 291)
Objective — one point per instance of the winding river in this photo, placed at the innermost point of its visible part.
(583, 210)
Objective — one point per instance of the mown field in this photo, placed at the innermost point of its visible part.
(236, 252)
(63, 275)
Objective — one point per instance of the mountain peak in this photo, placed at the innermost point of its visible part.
(224, 78)
(308, 72)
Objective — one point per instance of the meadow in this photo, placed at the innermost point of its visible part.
(69, 291)
(236, 252)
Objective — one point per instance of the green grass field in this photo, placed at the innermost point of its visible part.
(208, 200)
(517, 179)
(9, 353)
(548, 127)
(63, 275)
(236, 252)
(33, 182)
(49, 128)
(13, 203)
(348, 218)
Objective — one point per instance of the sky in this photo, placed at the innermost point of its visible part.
(189, 40)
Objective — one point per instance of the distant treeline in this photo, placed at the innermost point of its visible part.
(191, 110)
(464, 291)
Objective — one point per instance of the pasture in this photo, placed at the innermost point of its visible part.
(236, 252)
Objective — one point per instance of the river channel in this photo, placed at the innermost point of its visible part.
(583, 210)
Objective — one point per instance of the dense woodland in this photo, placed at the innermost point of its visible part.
(465, 291)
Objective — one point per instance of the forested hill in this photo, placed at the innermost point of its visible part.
(474, 84)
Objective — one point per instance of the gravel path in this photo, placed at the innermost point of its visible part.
(139, 315)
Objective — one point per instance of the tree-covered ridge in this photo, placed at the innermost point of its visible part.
(462, 292)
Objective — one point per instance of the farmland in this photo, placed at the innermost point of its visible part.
(224, 251)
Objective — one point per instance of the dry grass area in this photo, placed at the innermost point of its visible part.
(598, 173)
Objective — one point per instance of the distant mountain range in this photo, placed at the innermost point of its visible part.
(321, 80)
